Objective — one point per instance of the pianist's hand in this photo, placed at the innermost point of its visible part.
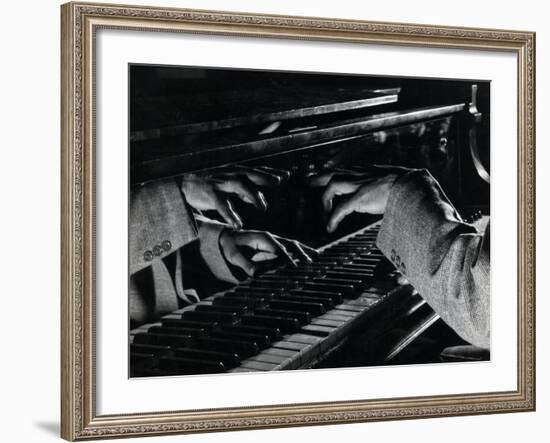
(364, 191)
(254, 251)
(212, 190)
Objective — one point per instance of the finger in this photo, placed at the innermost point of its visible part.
(342, 210)
(320, 179)
(283, 252)
(236, 258)
(241, 187)
(311, 252)
(296, 248)
(340, 175)
(283, 173)
(257, 176)
(264, 242)
(401, 279)
(226, 211)
(337, 188)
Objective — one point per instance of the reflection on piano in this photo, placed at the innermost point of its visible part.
(344, 309)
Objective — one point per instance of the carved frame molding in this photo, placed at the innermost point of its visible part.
(79, 23)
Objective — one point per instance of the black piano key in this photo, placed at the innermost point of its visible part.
(274, 334)
(326, 262)
(280, 280)
(341, 288)
(372, 254)
(249, 300)
(191, 324)
(365, 262)
(285, 324)
(343, 274)
(262, 341)
(278, 285)
(304, 273)
(227, 359)
(338, 249)
(325, 302)
(176, 331)
(291, 304)
(181, 365)
(320, 266)
(335, 296)
(302, 316)
(365, 243)
(356, 267)
(349, 247)
(243, 349)
(210, 316)
(163, 339)
(149, 349)
(236, 310)
(336, 257)
(255, 291)
(339, 281)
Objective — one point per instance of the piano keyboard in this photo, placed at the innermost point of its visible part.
(286, 319)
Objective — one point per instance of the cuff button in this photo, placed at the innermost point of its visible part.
(148, 255)
(157, 250)
(166, 245)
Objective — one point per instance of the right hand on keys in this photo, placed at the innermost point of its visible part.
(212, 190)
(364, 190)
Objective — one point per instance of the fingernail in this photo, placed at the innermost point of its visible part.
(263, 202)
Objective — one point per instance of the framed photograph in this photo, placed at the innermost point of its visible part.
(282, 221)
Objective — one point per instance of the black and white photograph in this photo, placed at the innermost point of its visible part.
(302, 220)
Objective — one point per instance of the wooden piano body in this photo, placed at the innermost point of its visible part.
(358, 316)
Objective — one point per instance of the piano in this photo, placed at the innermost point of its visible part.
(345, 308)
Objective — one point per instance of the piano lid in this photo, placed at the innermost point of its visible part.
(154, 117)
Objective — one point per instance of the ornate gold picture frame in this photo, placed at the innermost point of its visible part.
(80, 22)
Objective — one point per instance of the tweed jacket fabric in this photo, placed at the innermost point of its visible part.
(444, 258)
(161, 223)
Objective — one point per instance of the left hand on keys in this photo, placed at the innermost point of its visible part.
(251, 251)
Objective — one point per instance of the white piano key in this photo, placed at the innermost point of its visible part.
(303, 338)
(333, 317)
(241, 369)
(293, 346)
(305, 352)
(348, 307)
(363, 301)
(259, 366)
(291, 359)
(322, 322)
(266, 358)
(279, 352)
(342, 313)
(316, 328)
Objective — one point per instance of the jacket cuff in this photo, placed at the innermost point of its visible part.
(394, 217)
(419, 224)
(209, 239)
(160, 223)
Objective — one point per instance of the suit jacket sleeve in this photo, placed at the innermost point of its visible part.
(445, 259)
(209, 238)
(160, 223)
